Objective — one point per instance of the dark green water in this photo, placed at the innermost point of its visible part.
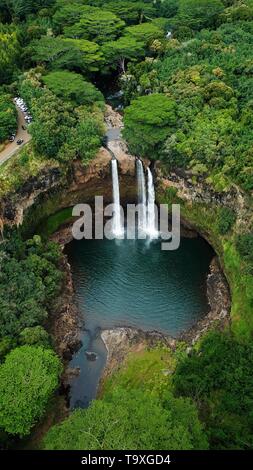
(131, 283)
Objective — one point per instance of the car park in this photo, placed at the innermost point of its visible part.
(20, 103)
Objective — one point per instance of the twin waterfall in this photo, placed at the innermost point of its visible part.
(146, 201)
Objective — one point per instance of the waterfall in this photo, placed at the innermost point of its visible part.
(142, 197)
(117, 224)
(151, 222)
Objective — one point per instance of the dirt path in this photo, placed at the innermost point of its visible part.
(12, 147)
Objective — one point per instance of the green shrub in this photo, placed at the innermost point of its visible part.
(36, 336)
(28, 378)
(226, 219)
(218, 376)
(29, 281)
(244, 244)
(8, 117)
(6, 345)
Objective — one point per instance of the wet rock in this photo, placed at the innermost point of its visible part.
(72, 372)
(219, 300)
(91, 356)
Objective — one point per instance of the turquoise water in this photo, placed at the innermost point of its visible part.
(132, 283)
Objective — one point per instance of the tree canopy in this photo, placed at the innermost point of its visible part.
(224, 390)
(8, 117)
(29, 281)
(198, 14)
(145, 32)
(95, 25)
(72, 87)
(61, 53)
(28, 378)
(130, 419)
(148, 121)
(125, 48)
(9, 51)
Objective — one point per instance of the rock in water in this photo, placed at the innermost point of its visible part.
(91, 356)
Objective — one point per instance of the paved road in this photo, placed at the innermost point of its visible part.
(12, 147)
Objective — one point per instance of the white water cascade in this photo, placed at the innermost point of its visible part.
(142, 196)
(151, 215)
(118, 230)
(146, 199)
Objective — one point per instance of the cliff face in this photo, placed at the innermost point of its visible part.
(54, 189)
(202, 193)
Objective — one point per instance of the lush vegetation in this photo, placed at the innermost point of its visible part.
(223, 392)
(8, 117)
(28, 378)
(148, 120)
(134, 414)
(30, 279)
(188, 102)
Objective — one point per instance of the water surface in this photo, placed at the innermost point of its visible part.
(133, 283)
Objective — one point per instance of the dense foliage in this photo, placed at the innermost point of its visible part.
(133, 415)
(29, 281)
(218, 376)
(28, 378)
(148, 120)
(8, 117)
(185, 67)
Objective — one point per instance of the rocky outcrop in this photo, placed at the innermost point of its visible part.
(120, 342)
(14, 205)
(219, 300)
(56, 190)
(65, 322)
(192, 189)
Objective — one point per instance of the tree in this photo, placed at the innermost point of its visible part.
(8, 117)
(29, 282)
(86, 139)
(167, 8)
(149, 120)
(198, 14)
(244, 245)
(53, 121)
(72, 87)
(129, 11)
(28, 378)
(9, 52)
(144, 33)
(68, 13)
(34, 336)
(96, 25)
(218, 376)
(22, 8)
(61, 53)
(226, 219)
(125, 48)
(130, 419)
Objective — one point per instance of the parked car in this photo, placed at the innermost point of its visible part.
(20, 141)
(12, 138)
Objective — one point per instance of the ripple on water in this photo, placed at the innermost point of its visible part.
(127, 283)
